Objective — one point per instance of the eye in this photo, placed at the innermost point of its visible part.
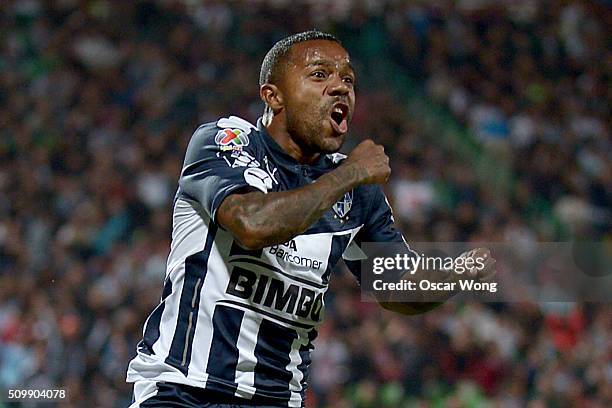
(318, 74)
(349, 80)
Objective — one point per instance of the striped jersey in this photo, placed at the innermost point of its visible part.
(238, 321)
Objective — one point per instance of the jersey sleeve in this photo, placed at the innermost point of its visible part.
(219, 161)
(378, 227)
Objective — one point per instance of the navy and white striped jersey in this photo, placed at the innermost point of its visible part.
(243, 322)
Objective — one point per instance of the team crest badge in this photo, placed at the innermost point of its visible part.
(343, 206)
(231, 139)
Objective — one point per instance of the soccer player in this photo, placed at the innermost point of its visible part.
(261, 216)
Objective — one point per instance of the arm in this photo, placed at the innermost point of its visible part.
(259, 220)
(416, 307)
(413, 308)
(395, 303)
(380, 229)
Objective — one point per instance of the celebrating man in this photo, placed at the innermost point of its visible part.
(261, 216)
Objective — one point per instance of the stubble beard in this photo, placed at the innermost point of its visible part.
(308, 132)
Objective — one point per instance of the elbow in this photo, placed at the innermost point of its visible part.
(249, 241)
(252, 230)
(241, 227)
(249, 237)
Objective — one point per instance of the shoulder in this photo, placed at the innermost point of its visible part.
(226, 136)
(231, 133)
(374, 194)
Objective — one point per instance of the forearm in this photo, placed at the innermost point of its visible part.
(447, 279)
(421, 301)
(259, 220)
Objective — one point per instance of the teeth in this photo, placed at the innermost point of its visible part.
(338, 110)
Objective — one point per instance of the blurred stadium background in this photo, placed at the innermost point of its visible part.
(497, 118)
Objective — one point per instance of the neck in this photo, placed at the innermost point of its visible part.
(277, 129)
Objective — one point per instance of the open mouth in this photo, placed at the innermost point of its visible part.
(339, 118)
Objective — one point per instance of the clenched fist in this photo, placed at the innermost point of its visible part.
(368, 163)
(484, 267)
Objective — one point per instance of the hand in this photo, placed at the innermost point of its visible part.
(368, 163)
(483, 264)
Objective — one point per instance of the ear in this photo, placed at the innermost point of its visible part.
(272, 96)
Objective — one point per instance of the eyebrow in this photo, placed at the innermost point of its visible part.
(327, 63)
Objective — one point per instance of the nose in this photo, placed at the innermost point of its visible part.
(338, 87)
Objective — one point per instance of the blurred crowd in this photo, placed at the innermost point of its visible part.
(99, 99)
(531, 80)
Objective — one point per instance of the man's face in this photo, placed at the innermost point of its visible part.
(319, 95)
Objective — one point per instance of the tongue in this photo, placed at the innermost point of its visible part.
(343, 126)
